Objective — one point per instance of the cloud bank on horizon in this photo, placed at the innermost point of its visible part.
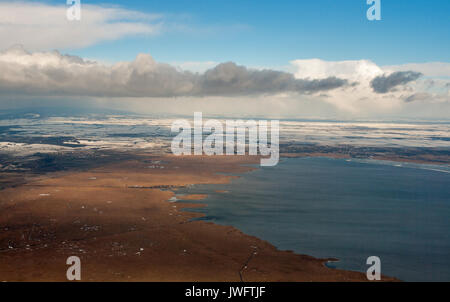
(54, 74)
(351, 87)
(343, 84)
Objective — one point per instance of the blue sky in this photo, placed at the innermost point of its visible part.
(271, 33)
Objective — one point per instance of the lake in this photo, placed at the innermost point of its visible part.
(346, 209)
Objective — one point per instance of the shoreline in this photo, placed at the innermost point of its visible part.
(10, 179)
(121, 225)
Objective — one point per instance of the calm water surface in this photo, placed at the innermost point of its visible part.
(345, 209)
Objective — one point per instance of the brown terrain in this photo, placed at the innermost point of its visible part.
(118, 220)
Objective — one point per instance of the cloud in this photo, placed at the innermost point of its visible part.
(40, 26)
(428, 98)
(384, 84)
(420, 96)
(366, 98)
(317, 88)
(231, 79)
(193, 66)
(431, 69)
(356, 70)
(54, 74)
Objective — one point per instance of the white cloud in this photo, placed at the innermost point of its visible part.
(352, 70)
(362, 98)
(40, 26)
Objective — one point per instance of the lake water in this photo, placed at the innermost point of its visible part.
(345, 209)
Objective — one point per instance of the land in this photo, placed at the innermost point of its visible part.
(111, 209)
(116, 217)
(421, 155)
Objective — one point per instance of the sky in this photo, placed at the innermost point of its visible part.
(318, 59)
(267, 32)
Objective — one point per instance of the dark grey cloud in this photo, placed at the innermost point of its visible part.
(384, 84)
(54, 74)
(231, 79)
